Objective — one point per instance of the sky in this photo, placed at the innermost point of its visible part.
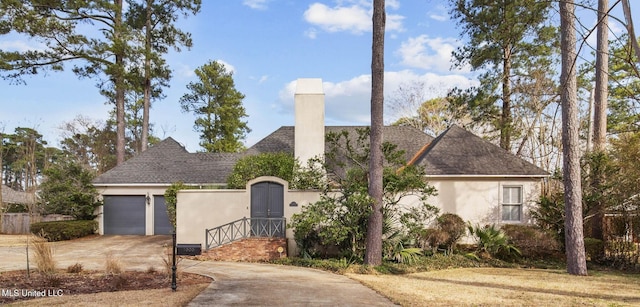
(268, 44)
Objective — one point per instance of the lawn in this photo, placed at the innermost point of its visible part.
(506, 287)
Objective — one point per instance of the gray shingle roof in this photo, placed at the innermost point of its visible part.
(454, 152)
(406, 138)
(11, 196)
(168, 162)
(460, 152)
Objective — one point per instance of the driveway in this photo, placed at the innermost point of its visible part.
(133, 252)
(251, 284)
(235, 283)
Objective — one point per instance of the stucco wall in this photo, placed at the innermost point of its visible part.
(479, 201)
(152, 191)
(198, 210)
(476, 200)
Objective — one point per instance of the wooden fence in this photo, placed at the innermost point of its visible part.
(19, 223)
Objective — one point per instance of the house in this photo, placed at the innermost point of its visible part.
(475, 179)
(13, 197)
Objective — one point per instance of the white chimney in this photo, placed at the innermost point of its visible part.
(309, 112)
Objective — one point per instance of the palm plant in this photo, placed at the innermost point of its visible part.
(493, 241)
(394, 241)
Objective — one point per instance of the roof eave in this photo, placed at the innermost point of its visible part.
(137, 185)
(488, 176)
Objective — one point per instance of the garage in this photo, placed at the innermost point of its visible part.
(161, 224)
(124, 214)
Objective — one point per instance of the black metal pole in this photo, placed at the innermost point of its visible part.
(174, 285)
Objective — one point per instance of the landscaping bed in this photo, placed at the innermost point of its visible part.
(16, 286)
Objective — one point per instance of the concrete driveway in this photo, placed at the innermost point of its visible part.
(235, 283)
(133, 252)
(251, 284)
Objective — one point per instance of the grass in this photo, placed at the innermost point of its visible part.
(456, 280)
(505, 287)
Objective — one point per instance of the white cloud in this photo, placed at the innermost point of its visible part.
(256, 4)
(184, 71)
(354, 18)
(428, 53)
(439, 13)
(311, 33)
(392, 4)
(348, 102)
(228, 66)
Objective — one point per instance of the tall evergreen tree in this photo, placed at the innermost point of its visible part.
(624, 84)
(155, 20)
(373, 253)
(93, 36)
(218, 107)
(574, 237)
(498, 33)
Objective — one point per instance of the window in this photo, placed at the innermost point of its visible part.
(511, 203)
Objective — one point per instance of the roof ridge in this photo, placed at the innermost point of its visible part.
(427, 147)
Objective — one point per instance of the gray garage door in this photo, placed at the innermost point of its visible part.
(161, 224)
(124, 214)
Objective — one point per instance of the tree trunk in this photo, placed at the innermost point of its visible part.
(602, 78)
(373, 253)
(601, 96)
(506, 120)
(147, 80)
(626, 8)
(119, 83)
(574, 238)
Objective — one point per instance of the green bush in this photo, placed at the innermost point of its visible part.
(533, 242)
(64, 230)
(594, 248)
(67, 189)
(281, 165)
(621, 246)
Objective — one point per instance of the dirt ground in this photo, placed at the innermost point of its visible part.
(17, 286)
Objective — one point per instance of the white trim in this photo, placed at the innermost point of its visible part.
(141, 185)
(503, 204)
(489, 176)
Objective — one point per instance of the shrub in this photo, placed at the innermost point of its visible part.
(618, 246)
(454, 226)
(64, 230)
(594, 249)
(449, 229)
(434, 238)
(75, 268)
(549, 215)
(533, 242)
(43, 255)
(112, 265)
